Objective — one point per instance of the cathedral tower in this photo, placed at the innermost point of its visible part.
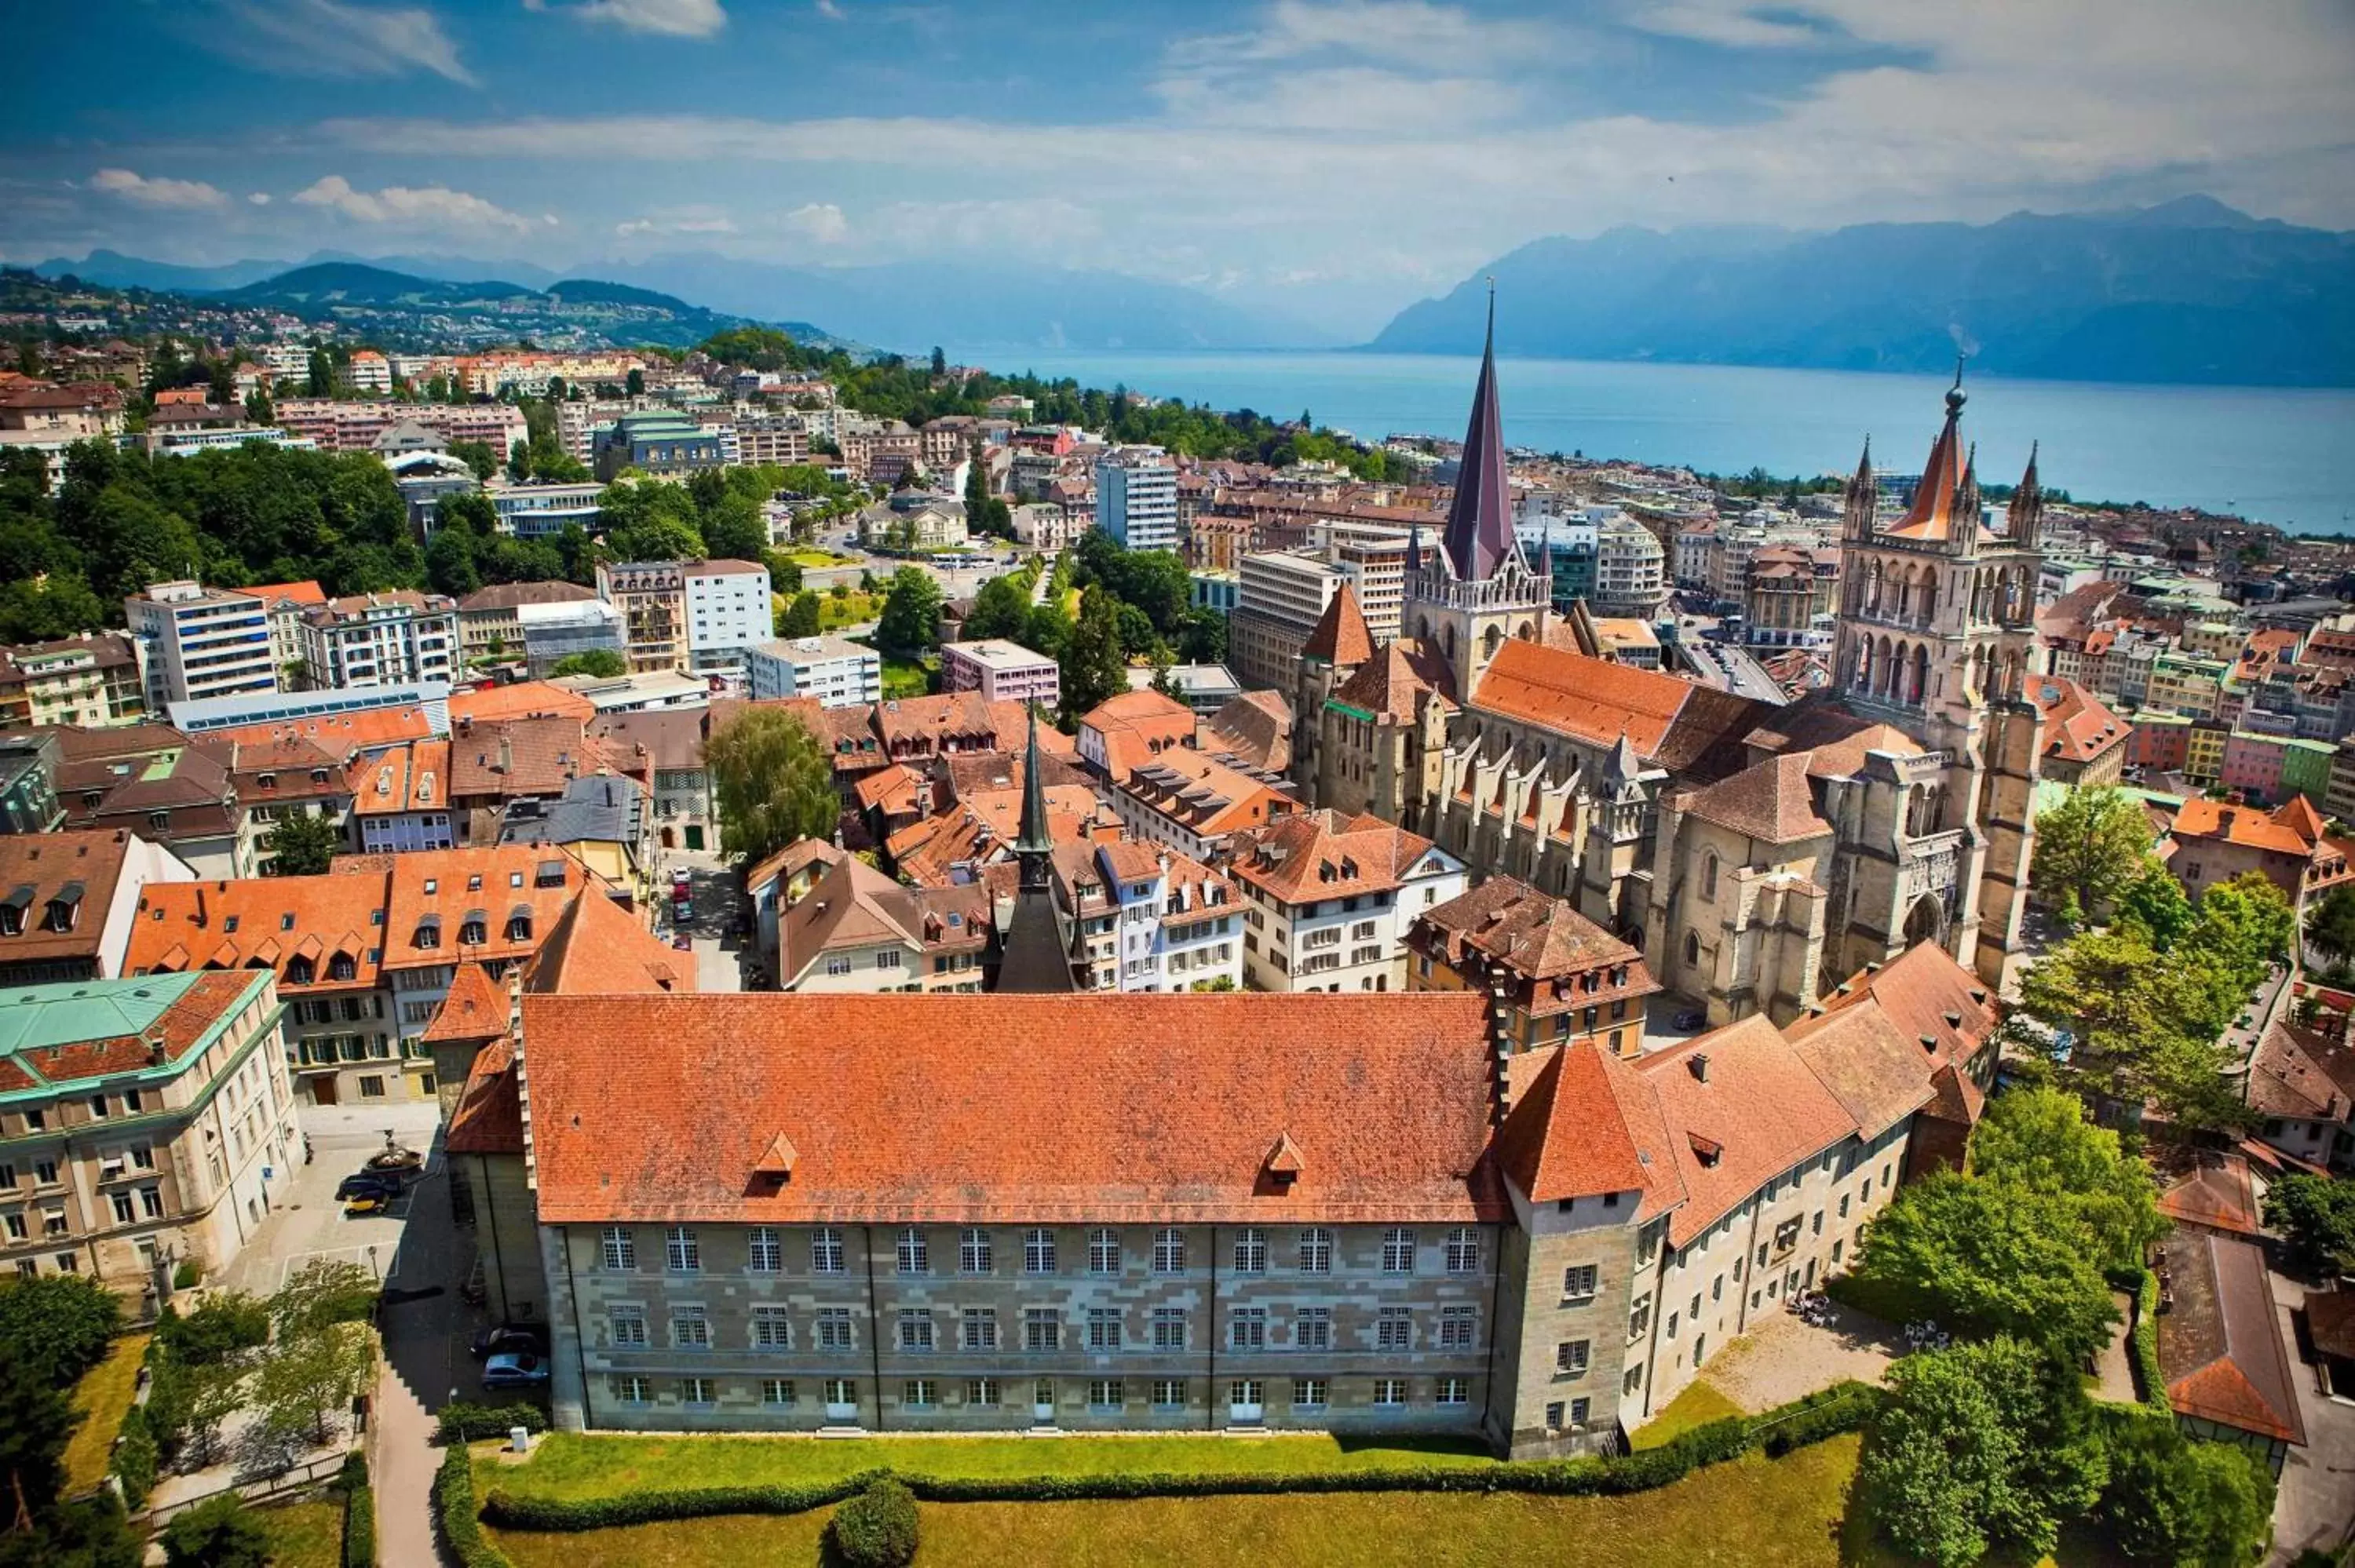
(1464, 599)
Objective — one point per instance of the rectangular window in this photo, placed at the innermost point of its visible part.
(681, 1251)
(1459, 1328)
(1463, 1250)
(1169, 1252)
(1398, 1252)
(981, 1392)
(834, 1330)
(1104, 1394)
(1310, 1392)
(777, 1391)
(122, 1210)
(632, 1390)
(1251, 1252)
(1454, 1391)
(1316, 1250)
(1168, 1393)
(1578, 1281)
(1169, 1327)
(771, 1329)
(628, 1326)
(920, 1394)
(619, 1249)
(914, 1255)
(1389, 1392)
(1103, 1252)
(1039, 1252)
(1041, 1330)
(1312, 1329)
(825, 1251)
(1639, 1317)
(1570, 1358)
(1394, 1328)
(1104, 1327)
(974, 1254)
(980, 1329)
(915, 1329)
(690, 1330)
(1247, 1329)
(1578, 1412)
(765, 1253)
(697, 1391)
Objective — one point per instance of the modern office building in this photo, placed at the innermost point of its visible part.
(1136, 498)
(1001, 671)
(395, 638)
(197, 643)
(835, 671)
(1282, 598)
(728, 609)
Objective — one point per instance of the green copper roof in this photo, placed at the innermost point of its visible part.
(34, 1016)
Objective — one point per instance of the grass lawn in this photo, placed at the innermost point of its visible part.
(1698, 1405)
(101, 1398)
(807, 557)
(574, 1465)
(305, 1534)
(906, 678)
(1754, 1510)
(835, 613)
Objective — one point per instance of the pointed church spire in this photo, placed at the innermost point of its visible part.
(1479, 520)
(1414, 549)
(1341, 636)
(1033, 838)
(1932, 514)
(2025, 517)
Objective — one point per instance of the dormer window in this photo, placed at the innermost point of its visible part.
(268, 781)
(65, 908)
(474, 930)
(432, 886)
(429, 933)
(229, 924)
(475, 883)
(341, 967)
(299, 972)
(519, 926)
(286, 922)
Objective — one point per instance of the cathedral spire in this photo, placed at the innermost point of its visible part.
(1031, 956)
(1944, 478)
(1479, 521)
(2026, 513)
(1033, 839)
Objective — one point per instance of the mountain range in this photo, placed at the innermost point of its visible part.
(907, 305)
(2189, 292)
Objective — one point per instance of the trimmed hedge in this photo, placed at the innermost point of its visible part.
(462, 1421)
(453, 1505)
(2145, 1345)
(878, 1528)
(1845, 1407)
(135, 1461)
(359, 1512)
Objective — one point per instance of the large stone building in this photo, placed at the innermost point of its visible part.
(1754, 853)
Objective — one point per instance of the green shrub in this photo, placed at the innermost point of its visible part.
(462, 1421)
(220, 1532)
(2173, 1500)
(225, 1325)
(1844, 1407)
(2144, 1343)
(134, 1461)
(877, 1528)
(359, 1513)
(188, 1276)
(653, 1506)
(453, 1506)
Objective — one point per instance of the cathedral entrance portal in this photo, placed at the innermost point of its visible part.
(1926, 921)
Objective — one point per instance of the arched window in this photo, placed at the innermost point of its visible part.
(1708, 875)
(1921, 681)
(1692, 946)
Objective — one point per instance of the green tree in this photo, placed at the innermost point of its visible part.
(2093, 844)
(635, 383)
(308, 1374)
(2316, 1214)
(2154, 901)
(1002, 609)
(229, 1323)
(320, 1293)
(602, 663)
(2184, 1504)
(802, 618)
(734, 529)
(773, 781)
(57, 1325)
(2247, 922)
(300, 845)
(476, 455)
(38, 608)
(321, 383)
(939, 361)
(1982, 1446)
(2038, 1138)
(911, 613)
(1091, 667)
(258, 407)
(1990, 1257)
(35, 1421)
(88, 1534)
(2330, 924)
(220, 1532)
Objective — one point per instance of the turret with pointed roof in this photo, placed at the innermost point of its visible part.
(2025, 519)
(1031, 956)
(1341, 637)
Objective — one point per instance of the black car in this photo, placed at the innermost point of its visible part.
(509, 1338)
(367, 1184)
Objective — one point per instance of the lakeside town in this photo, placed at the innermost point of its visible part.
(589, 893)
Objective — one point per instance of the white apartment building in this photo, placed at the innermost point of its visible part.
(380, 640)
(1631, 570)
(1136, 498)
(1282, 596)
(200, 643)
(541, 510)
(1142, 919)
(836, 672)
(1331, 899)
(729, 609)
(370, 372)
(1372, 559)
(1002, 671)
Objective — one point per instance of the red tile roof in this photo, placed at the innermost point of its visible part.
(38, 867)
(1772, 801)
(411, 777)
(1340, 636)
(370, 729)
(476, 1009)
(1759, 1111)
(488, 1118)
(2220, 1345)
(524, 699)
(1674, 723)
(2294, 829)
(178, 1029)
(596, 946)
(496, 883)
(1311, 856)
(2216, 1192)
(1391, 684)
(2078, 728)
(1009, 1108)
(266, 922)
(1584, 1127)
(2302, 1073)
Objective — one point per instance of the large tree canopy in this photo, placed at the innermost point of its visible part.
(2089, 849)
(774, 783)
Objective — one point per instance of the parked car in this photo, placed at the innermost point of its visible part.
(515, 1369)
(509, 1338)
(368, 1201)
(1692, 1019)
(681, 883)
(683, 942)
(363, 1183)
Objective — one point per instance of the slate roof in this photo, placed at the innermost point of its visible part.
(915, 1108)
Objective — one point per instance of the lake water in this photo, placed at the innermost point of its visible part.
(2276, 456)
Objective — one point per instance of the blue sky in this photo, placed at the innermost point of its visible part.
(1333, 159)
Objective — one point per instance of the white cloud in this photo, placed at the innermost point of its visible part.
(259, 198)
(821, 221)
(676, 18)
(1738, 24)
(430, 206)
(330, 38)
(154, 192)
(829, 10)
(678, 221)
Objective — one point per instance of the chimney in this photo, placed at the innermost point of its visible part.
(1500, 1045)
(200, 906)
(1699, 1064)
(506, 754)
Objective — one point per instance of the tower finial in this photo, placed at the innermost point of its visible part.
(1955, 393)
(1033, 838)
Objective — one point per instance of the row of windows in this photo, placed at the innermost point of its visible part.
(1099, 1328)
(1104, 1394)
(976, 1251)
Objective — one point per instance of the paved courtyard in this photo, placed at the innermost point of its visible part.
(2315, 1503)
(1784, 1357)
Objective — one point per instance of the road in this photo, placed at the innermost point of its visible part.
(718, 926)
